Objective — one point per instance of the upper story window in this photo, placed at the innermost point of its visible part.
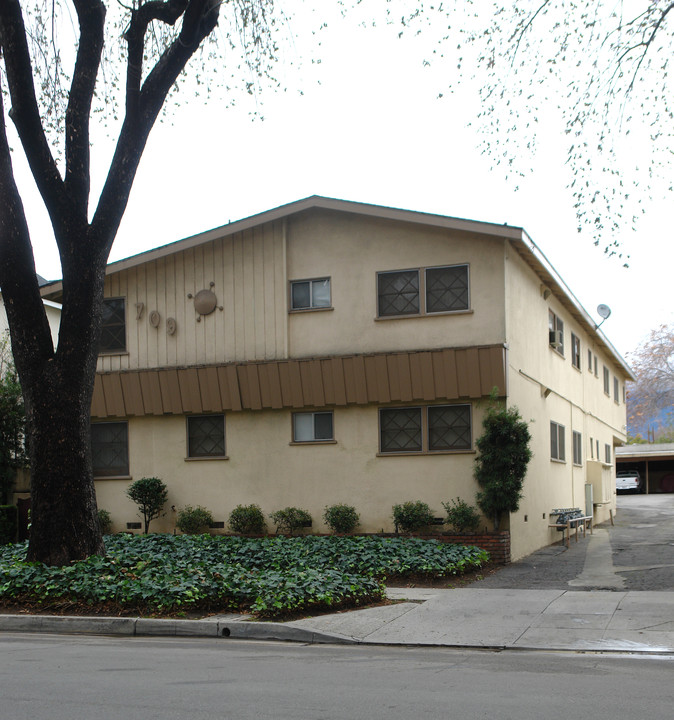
(575, 351)
(596, 366)
(423, 291)
(556, 332)
(310, 294)
(313, 427)
(607, 381)
(589, 360)
(110, 449)
(607, 453)
(113, 326)
(616, 390)
(206, 436)
(434, 428)
(557, 448)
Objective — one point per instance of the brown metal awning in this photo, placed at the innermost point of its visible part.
(400, 377)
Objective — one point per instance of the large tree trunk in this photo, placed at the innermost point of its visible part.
(63, 500)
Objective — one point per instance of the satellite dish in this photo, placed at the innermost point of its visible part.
(603, 311)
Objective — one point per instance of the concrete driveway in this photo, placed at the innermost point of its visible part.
(636, 553)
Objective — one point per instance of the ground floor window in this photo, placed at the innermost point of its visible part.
(206, 436)
(110, 449)
(434, 428)
(313, 427)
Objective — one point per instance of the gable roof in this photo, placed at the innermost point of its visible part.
(524, 245)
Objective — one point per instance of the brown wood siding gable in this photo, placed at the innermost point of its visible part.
(381, 378)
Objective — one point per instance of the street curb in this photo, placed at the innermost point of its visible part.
(154, 627)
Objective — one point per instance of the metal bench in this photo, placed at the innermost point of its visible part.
(569, 519)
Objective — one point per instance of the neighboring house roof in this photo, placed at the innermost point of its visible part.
(524, 245)
(640, 451)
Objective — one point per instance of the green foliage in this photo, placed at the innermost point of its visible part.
(194, 520)
(9, 524)
(12, 423)
(461, 516)
(501, 466)
(247, 520)
(104, 522)
(150, 494)
(291, 520)
(341, 518)
(269, 576)
(412, 516)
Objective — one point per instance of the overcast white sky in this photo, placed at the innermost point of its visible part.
(373, 131)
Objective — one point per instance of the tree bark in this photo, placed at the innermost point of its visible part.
(58, 386)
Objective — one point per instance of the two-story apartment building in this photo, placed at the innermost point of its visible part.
(329, 351)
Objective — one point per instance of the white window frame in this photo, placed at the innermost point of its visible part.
(577, 448)
(575, 351)
(312, 302)
(557, 448)
(616, 390)
(313, 440)
(607, 381)
(607, 453)
(555, 332)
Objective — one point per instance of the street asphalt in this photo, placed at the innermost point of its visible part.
(612, 591)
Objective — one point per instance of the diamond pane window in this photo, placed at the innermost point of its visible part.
(449, 427)
(312, 427)
(206, 436)
(113, 326)
(447, 289)
(110, 449)
(398, 293)
(401, 430)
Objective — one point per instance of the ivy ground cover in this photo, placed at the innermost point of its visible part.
(269, 577)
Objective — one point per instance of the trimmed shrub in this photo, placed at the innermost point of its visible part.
(104, 522)
(461, 516)
(193, 521)
(150, 494)
(341, 518)
(412, 516)
(9, 524)
(501, 466)
(247, 520)
(290, 520)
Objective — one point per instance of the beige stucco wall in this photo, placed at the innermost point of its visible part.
(575, 400)
(264, 468)
(351, 250)
(251, 273)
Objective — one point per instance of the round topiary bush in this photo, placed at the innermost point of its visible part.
(341, 518)
(461, 516)
(412, 516)
(247, 520)
(193, 521)
(290, 520)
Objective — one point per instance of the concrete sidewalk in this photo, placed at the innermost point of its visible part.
(599, 621)
(573, 599)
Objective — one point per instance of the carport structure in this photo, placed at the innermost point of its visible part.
(655, 464)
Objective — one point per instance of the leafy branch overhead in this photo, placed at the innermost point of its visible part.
(599, 68)
(62, 61)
